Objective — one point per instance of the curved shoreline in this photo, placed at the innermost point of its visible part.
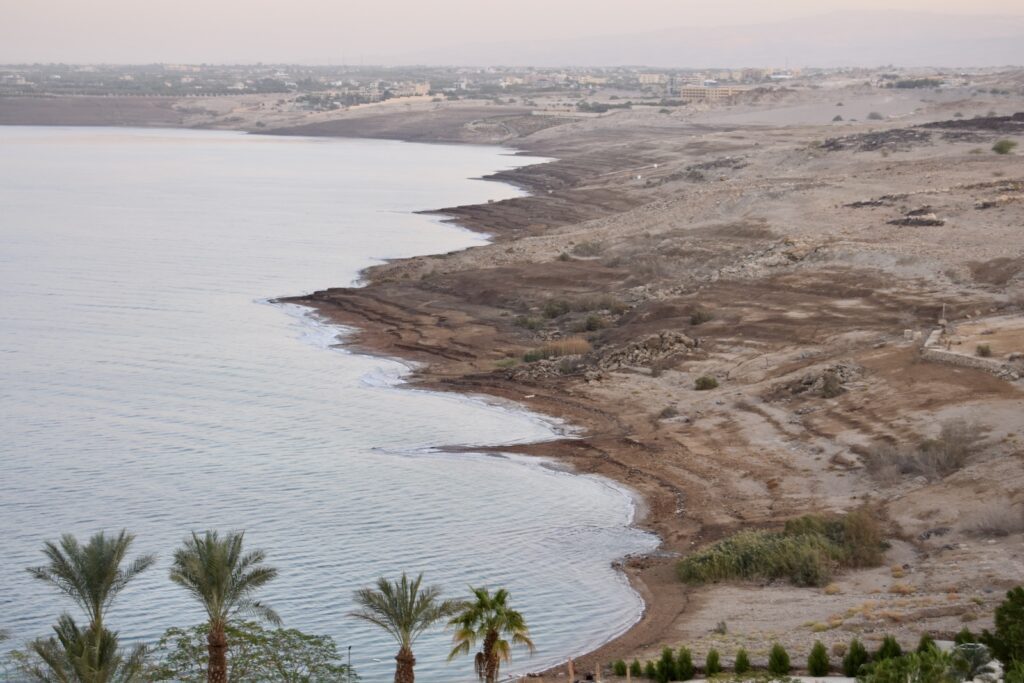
(787, 242)
(350, 337)
(650, 576)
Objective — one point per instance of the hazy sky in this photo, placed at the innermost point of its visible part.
(381, 31)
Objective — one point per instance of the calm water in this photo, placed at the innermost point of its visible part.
(145, 383)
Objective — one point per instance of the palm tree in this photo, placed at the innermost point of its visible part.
(223, 580)
(971, 661)
(489, 620)
(92, 576)
(89, 656)
(404, 610)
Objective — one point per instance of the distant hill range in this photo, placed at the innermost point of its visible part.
(829, 40)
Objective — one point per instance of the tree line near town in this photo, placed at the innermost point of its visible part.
(972, 658)
(242, 639)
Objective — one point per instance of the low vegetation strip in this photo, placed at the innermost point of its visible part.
(572, 346)
(807, 552)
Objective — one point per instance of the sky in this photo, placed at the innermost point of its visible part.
(370, 31)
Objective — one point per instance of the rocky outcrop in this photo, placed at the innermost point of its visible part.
(827, 381)
(647, 351)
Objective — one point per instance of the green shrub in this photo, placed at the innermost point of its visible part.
(700, 316)
(1015, 674)
(983, 350)
(588, 249)
(529, 322)
(778, 661)
(554, 308)
(570, 346)
(593, 323)
(1007, 641)
(636, 669)
(742, 664)
(917, 667)
(264, 653)
(964, 636)
(831, 385)
(861, 541)
(971, 661)
(712, 663)
(926, 643)
(805, 561)
(705, 383)
(957, 443)
(805, 552)
(599, 302)
(1004, 146)
(668, 412)
(619, 667)
(916, 83)
(856, 657)
(889, 649)
(650, 670)
(684, 665)
(875, 116)
(666, 668)
(817, 662)
(564, 257)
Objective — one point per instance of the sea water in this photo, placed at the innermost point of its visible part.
(146, 383)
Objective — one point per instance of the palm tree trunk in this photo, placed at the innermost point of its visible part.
(217, 645)
(491, 661)
(405, 661)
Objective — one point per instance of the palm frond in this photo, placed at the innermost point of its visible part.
(488, 619)
(214, 570)
(91, 575)
(404, 608)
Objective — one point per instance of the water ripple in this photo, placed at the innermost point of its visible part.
(147, 384)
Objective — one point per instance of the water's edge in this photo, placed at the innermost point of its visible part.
(333, 336)
(203, 346)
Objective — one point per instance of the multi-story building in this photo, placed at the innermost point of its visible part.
(653, 79)
(715, 94)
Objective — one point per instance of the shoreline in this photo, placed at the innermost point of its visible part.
(781, 238)
(644, 574)
(417, 377)
(647, 575)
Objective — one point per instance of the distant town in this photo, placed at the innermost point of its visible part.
(324, 88)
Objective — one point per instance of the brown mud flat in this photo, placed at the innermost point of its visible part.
(639, 224)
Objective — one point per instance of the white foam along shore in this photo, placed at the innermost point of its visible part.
(391, 373)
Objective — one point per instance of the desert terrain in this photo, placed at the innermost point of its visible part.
(794, 264)
(787, 239)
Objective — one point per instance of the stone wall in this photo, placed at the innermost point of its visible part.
(932, 351)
